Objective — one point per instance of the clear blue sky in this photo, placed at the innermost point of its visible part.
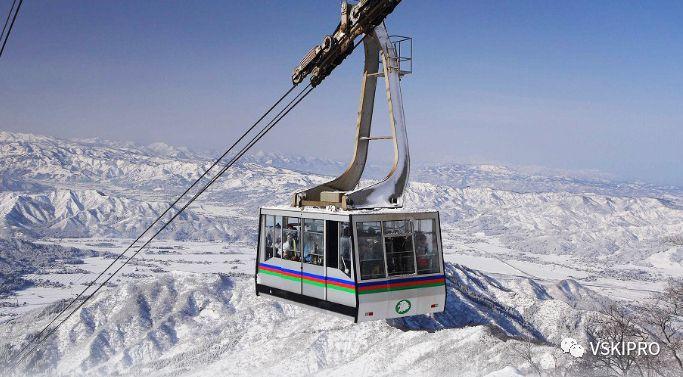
(570, 85)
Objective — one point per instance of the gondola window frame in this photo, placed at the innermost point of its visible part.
(436, 254)
(389, 237)
(364, 252)
(340, 228)
(305, 241)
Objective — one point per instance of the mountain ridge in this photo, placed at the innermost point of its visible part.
(86, 190)
(168, 324)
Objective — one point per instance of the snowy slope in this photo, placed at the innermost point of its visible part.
(587, 225)
(43, 164)
(197, 324)
(89, 213)
(535, 179)
(96, 188)
(206, 324)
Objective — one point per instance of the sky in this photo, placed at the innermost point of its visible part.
(581, 85)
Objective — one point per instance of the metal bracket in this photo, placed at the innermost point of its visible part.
(378, 138)
(388, 193)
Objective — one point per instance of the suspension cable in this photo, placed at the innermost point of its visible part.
(42, 335)
(216, 162)
(253, 141)
(9, 30)
(9, 15)
(293, 103)
(171, 206)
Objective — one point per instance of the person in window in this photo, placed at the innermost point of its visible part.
(277, 240)
(345, 252)
(289, 248)
(269, 246)
(314, 257)
(307, 251)
(309, 256)
(422, 252)
(375, 257)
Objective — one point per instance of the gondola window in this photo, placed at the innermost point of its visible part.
(291, 248)
(272, 238)
(276, 236)
(345, 248)
(267, 237)
(426, 247)
(370, 250)
(314, 248)
(398, 242)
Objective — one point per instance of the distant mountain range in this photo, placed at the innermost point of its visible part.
(86, 188)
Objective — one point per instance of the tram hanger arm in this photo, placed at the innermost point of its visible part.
(356, 20)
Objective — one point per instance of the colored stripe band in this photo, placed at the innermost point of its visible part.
(349, 286)
(403, 280)
(308, 278)
(401, 284)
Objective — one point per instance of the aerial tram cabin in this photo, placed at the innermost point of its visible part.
(347, 249)
(365, 265)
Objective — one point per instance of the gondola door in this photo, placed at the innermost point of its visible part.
(313, 261)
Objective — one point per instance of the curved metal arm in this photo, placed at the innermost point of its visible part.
(387, 193)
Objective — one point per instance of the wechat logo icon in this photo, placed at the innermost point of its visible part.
(403, 306)
(571, 346)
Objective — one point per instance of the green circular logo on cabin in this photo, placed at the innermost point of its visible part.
(403, 306)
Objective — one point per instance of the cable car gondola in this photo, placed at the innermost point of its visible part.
(347, 250)
(361, 264)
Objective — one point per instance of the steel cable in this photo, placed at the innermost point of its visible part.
(120, 255)
(293, 103)
(9, 15)
(11, 25)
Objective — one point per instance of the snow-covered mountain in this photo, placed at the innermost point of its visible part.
(57, 162)
(564, 233)
(92, 213)
(86, 188)
(196, 324)
(536, 179)
(586, 225)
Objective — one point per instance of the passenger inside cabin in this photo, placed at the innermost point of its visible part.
(370, 250)
(345, 251)
(375, 256)
(312, 254)
(376, 250)
(422, 251)
(277, 240)
(289, 248)
(308, 253)
(269, 246)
